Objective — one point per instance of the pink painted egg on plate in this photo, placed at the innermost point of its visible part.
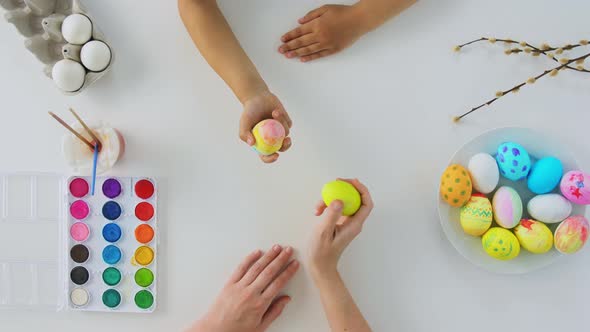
(575, 186)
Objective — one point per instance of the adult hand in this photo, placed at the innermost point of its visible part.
(324, 31)
(262, 106)
(336, 232)
(250, 300)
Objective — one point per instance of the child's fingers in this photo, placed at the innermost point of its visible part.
(296, 43)
(295, 33)
(317, 55)
(312, 15)
(247, 137)
(281, 116)
(286, 144)
(303, 51)
(269, 159)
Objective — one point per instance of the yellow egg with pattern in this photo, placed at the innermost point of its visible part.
(455, 185)
(476, 216)
(534, 236)
(500, 244)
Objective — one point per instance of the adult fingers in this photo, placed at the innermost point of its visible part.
(366, 202)
(286, 144)
(317, 55)
(261, 264)
(296, 43)
(334, 212)
(303, 51)
(270, 158)
(296, 33)
(312, 15)
(274, 311)
(241, 270)
(281, 116)
(272, 270)
(320, 207)
(277, 285)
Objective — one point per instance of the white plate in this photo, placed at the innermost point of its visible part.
(538, 145)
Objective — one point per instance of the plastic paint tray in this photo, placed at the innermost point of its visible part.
(35, 269)
(39, 21)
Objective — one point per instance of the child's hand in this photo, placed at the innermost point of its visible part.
(262, 106)
(324, 31)
(335, 232)
(250, 301)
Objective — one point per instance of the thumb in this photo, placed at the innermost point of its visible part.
(274, 311)
(334, 212)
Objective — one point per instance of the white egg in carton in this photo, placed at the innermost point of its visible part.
(62, 35)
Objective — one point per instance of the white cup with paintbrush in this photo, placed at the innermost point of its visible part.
(91, 150)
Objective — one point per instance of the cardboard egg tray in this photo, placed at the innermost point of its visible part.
(39, 21)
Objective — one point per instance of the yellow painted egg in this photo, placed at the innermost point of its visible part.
(269, 135)
(500, 244)
(455, 185)
(534, 236)
(476, 216)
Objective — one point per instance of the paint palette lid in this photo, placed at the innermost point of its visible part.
(31, 207)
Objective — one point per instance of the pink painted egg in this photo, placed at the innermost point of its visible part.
(575, 186)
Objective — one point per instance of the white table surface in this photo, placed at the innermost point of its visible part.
(379, 111)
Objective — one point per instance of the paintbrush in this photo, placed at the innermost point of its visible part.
(78, 135)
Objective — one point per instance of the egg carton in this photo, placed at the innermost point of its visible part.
(39, 21)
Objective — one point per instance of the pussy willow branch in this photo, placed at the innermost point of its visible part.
(516, 88)
(545, 49)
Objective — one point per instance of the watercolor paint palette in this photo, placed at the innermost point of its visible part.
(112, 244)
(90, 252)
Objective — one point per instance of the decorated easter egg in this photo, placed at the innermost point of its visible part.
(76, 29)
(571, 234)
(476, 215)
(484, 172)
(68, 75)
(549, 208)
(500, 244)
(514, 161)
(575, 186)
(507, 207)
(455, 185)
(534, 236)
(545, 175)
(269, 135)
(344, 192)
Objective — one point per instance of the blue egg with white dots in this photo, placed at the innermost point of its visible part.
(513, 160)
